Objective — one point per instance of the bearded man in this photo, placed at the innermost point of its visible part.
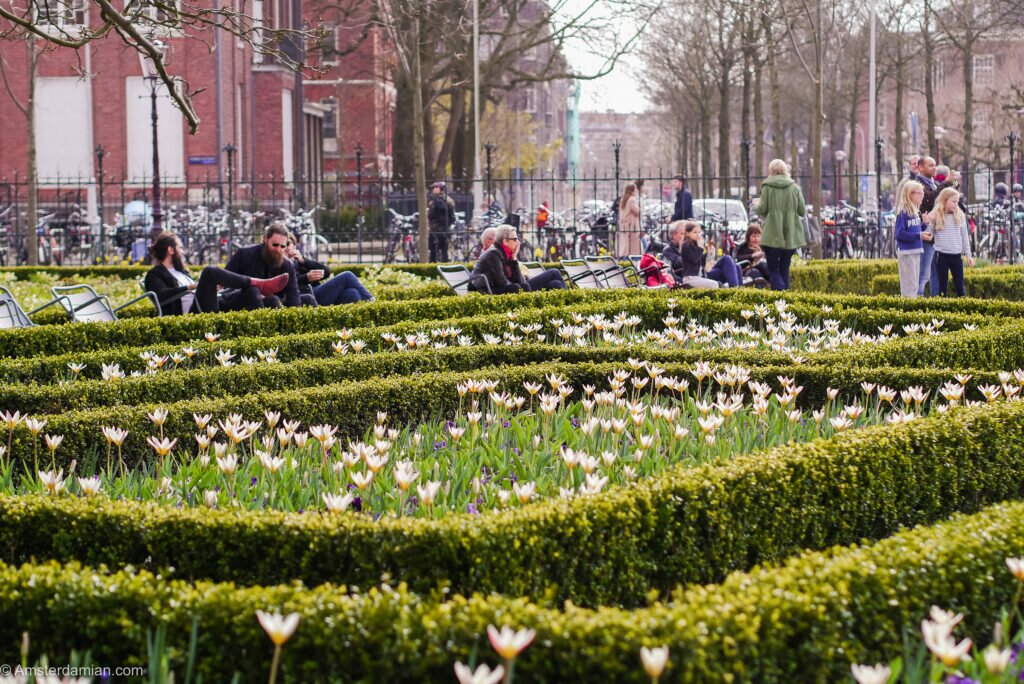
(265, 260)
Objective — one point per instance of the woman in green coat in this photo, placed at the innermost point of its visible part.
(782, 205)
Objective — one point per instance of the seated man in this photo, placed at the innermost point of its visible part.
(499, 268)
(179, 293)
(265, 260)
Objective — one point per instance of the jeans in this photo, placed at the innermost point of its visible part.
(343, 288)
(727, 271)
(550, 279)
(946, 264)
(438, 243)
(778, 266)
(929, 273)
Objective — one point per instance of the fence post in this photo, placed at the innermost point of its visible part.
(230, 149)
(489, 149)
(617, 148)
(100, 153)
(746, 144)
(1012, 138)
(359, 202)
(879, 146)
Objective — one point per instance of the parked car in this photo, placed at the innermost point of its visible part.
(712, 209)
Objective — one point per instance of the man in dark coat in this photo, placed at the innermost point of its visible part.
(684, 200)
(441, 217)
(265, 260)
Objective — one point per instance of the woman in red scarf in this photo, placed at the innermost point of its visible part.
(498, 267)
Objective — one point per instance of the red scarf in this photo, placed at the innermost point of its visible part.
(508, 259)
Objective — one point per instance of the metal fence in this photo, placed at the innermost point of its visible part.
(359, 219)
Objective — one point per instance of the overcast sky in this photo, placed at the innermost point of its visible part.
(618, 90)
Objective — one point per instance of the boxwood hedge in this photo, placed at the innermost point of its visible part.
(804, 621)
(687, 525)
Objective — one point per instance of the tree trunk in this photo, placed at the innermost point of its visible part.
(929, 85)
(758, 125)
(31, 240)
(455, 119)
(705, 152)
(418, 134)
(968, 66)
(403, 166)
(724, 129)
(819, 97)
(778, 138)
(898, 140)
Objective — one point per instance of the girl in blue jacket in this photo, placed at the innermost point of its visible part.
(908, 235)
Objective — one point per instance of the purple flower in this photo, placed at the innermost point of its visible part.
(507, 423)
(575, 422)
(957, 679)
(357, 504)
(472, 509)
(513, 478)
(440, 445)
(515, 450)
(254, 480)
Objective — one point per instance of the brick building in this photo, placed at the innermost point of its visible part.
(99, 97)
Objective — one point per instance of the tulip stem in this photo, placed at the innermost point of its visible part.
(274, 663)
(509, 665)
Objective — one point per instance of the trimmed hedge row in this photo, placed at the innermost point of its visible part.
(48, 340)
(848, 276)
(805, 621)
(994, 348)
(313, 372)
(690, 524)
(651, 310)
(979, 284)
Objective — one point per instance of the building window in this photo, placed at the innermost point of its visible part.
(257, 32)
(61, 13)
(330, 117)
(984, 70)
(164, 14)
(883, 118)
(329, 45)
(529, 99)
(939, 74)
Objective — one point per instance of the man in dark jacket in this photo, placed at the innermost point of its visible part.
(441, 217)
(498, 268)
(684, 200)
(926, 177)
(264, 260)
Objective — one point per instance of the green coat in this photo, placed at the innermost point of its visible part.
(782, 204)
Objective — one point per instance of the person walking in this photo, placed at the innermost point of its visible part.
(441, 216)
(908, 236)
(782, 206)
(952, 241)
(629, 221)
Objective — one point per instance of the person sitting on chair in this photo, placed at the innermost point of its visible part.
(314, 286)
(180, 294)
(750, 251)
(265, 260)
(499, 269)
(687, 256)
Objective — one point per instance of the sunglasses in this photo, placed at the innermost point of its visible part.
(280, 245)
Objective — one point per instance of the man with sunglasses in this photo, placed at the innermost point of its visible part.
(497, 271)
(265, 260)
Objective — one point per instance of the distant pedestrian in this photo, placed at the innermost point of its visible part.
(782, 206)
(441, 216)
(684, 200)
(912, 163)
(908, 236)
(929, 275)
(629, 221)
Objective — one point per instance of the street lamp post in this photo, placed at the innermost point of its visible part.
(150, 73)
(359, 199)
(746, 144)
(939, 133)
(230, 150)
(840, 158)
